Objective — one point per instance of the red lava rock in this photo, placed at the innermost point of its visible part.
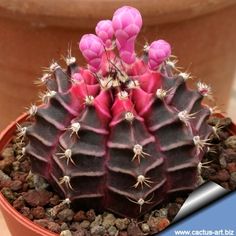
(80, 216)
(26, 212)
(54, 227)
(16, 185)
(37, 197)
(38, 212)
(173, 210)
(19, 203)
(221, 176)
(162, 224)
(231, 167)
(91, 215)
(5, 183)
(134, 230)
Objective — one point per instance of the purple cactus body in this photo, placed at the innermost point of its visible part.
(115, 137)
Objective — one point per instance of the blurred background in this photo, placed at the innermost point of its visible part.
(33, 33)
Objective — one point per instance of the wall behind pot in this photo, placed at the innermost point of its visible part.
(204, 44)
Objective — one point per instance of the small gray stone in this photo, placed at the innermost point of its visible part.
(98, 230)
(66, 233)
(161, 212)
(66, 215)
(222, 162)
(97, 221)
(231, 142)
(85, 224)
(113, 231)
(145, 228)
(108, 220)
(4, 176)
(64, 226)
(233, 177)
(122, 224)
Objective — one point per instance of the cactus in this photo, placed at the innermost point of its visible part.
(123, 133)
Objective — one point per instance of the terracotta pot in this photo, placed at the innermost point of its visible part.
(34, 32)
(17, 223)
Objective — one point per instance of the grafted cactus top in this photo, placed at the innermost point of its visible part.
(124, 132)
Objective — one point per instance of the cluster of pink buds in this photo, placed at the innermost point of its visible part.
(124, 27)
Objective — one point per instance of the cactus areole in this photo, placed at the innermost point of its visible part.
(124, 132)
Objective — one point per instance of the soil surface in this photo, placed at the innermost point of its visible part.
(33, 197)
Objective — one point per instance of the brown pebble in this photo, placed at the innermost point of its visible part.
(80, 216)
(81, 232)
(74, 226)
(91, 215)
(42, 222)
(225, 185)
(231, 167)
(232, 181)
(134, 230)
(207, 172)
(19, 203)
(123, 233)
(25, 211)
(19, 176)
(16, 185)
(54, 227)
(37, 197)
(230, 155)
(180, 200)
(38, 212)
(25, 187)
(54, 200)
(220, 176)
(65, 215)
(25, 166)
(173, 210)
(6, 161)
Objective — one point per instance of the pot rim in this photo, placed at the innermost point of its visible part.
(77, 14)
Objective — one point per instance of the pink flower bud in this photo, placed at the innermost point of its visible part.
(105, 32)
(127, 22)
(92, 49)
(158, 52)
